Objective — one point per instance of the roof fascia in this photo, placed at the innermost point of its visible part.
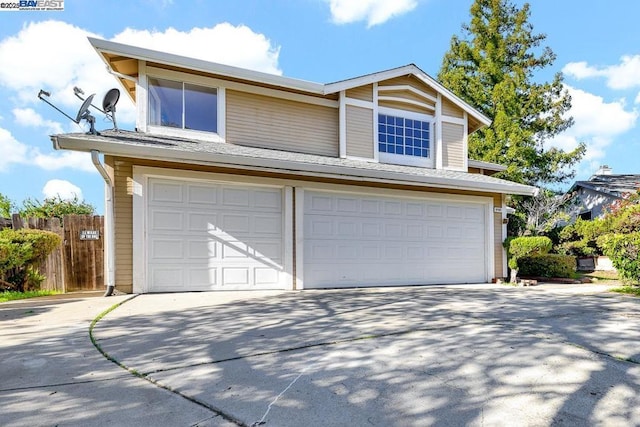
(134, 52)
(284, 166)
(486, 165)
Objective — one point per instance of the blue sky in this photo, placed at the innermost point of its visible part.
(597, 45)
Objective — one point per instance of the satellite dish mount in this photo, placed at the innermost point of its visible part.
(108, 108)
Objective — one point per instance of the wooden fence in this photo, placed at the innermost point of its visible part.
(78, 263)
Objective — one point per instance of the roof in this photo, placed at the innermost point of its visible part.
(118, 58)
(138, 145)
(612, 185)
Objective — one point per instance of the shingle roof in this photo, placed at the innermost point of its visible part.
(615, 185)
(139, 145)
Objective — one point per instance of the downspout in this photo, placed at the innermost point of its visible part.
(110, 231)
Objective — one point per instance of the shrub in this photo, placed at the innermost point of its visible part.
(581, 237)
(547, 265)
(20, 252)
(520, 247)
(524, 246)
(623, 250)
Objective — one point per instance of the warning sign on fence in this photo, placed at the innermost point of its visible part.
(89, 235)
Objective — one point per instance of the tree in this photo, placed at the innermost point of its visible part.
(6, 206)
(492, 68)
(55, 207)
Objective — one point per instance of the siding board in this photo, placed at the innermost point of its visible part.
(452, 146)
(359, 132)
(451, 109)
(265, 122)
(363, 93)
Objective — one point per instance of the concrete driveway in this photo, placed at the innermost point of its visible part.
(451, 355)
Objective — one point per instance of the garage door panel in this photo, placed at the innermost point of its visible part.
(201, 221)
(358, 240)
(166, 248)
(166, 192)
(203, 195)
(201, 249)
(166, 220)
(202, 277)
(214, 235)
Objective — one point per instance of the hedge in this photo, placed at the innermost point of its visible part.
(623, 250)
(526, 246)
(547, 265)
(20, 252)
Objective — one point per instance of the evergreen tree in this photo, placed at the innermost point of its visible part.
(492, 68)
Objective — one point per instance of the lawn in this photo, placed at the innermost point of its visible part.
(13, 295)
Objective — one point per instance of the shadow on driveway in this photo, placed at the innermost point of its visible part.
(401, 356)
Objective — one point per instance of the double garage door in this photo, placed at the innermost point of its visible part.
(216, 236)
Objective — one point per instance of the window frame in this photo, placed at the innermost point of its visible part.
(184, 78)
(405, 159)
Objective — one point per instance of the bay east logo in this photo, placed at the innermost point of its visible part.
(31, 5)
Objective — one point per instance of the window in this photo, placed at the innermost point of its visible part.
(405, 137)
(182, 105)
(399, 135)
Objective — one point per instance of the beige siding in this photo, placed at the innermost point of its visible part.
(406, 107)
(452, 146)
(261, 121)
(411, 81)
(123, 218)
(410, 96)
(359, 132)
(364, 93)
(451, 109)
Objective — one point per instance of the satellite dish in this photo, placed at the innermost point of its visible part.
(110, 100)
(83, 112)
(109, 105)
(84, 108)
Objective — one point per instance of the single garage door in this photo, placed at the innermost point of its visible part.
(213, 236)
(362, 240)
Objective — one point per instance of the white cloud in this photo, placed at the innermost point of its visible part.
(63, 160)
(60, 188)
(224, 43)
(14, 152)
(56, 56)
(597, 124)
(29, 117)
(621, 76)
(373, 11)
(11, 151)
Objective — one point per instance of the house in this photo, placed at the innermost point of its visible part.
(589, 199)
(236, 179)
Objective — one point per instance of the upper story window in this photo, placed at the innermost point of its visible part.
(405, 137)
(182, 105)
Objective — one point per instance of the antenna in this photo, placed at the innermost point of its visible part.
(108, 107)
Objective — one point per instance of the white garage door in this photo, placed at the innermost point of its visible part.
(213, 236)
(356, 240)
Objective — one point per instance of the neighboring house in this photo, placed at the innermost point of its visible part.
(236, 179)
(589, 199)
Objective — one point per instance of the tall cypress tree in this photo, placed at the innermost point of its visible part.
(492, 67)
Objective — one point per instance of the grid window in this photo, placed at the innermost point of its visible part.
(397, 135)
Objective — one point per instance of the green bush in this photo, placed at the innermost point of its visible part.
(20, 252)
(623, 250)
(520, 247)
(547, 265)
(580, 238)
